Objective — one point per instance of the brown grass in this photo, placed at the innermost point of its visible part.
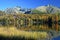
(12, 31)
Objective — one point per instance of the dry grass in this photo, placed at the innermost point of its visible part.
(12, 31)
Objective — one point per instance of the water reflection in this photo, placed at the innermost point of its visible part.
(38, 24)
(30, 23)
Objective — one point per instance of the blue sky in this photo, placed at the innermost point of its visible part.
(27, 3)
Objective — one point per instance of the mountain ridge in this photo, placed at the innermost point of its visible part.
(47, 9)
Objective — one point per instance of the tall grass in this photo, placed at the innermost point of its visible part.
(12, 31)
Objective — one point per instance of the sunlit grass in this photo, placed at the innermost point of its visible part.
(12, 31)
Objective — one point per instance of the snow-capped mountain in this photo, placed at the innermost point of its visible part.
(13, 10)
(41, 9)
(48, 9)
(17, 10)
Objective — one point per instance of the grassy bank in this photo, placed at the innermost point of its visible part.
(12, 32)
